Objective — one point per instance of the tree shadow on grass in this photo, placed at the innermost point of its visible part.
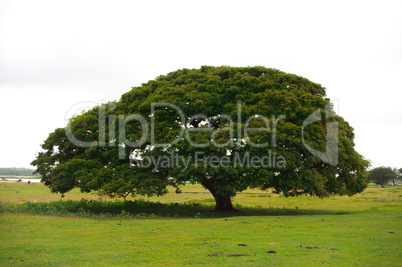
(257, 211)
(148, 209)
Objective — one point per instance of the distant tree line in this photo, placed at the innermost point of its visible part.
(17, 171)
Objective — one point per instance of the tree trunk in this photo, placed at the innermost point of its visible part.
(223, 202)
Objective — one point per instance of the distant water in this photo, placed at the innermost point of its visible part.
(23, 180)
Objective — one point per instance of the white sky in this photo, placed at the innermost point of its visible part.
(54, 54)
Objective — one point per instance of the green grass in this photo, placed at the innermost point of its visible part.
(363, 230)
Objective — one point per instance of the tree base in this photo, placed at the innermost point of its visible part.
(223, 201)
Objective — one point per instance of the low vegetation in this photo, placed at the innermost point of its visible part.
(87, 229)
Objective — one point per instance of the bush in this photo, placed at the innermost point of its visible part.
(116, 209)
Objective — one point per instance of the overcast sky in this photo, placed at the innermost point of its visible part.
(55, 54)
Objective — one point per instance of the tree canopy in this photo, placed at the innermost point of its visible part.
(227, 128)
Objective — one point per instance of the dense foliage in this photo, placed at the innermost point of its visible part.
(206, 120)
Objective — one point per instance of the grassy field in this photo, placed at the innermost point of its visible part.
(363, 230)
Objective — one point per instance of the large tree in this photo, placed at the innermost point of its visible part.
(382, 175)
(226, 128)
